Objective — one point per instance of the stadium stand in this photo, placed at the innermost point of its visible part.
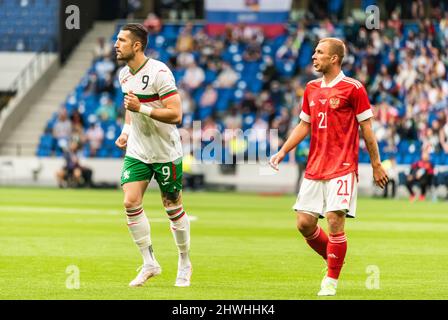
(409, 93)
(29, 25)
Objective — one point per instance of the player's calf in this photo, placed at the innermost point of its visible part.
(180, 227)
(140, 231)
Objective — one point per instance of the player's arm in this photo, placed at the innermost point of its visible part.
(300, 132)
(171, 113)
(379, 174)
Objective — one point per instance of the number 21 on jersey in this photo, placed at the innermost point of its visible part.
(322, 120)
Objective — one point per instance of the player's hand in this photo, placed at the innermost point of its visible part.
(380, 176)
(122, 141)
(131, 102)
(276, 159)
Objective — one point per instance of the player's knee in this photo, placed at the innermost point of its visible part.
(335, 223)
(305, 226)
(131, 201)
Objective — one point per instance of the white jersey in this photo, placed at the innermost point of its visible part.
(151, 141)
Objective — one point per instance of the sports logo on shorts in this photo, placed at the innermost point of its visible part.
(334, 103)
(126, 175)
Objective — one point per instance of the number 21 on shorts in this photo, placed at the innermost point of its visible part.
(342, 187)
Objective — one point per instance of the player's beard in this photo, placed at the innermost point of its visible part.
(322, 68)
(126, 58)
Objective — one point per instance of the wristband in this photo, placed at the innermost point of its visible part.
(126, 129)
(146, 110)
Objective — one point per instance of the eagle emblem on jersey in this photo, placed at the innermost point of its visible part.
(334, 103)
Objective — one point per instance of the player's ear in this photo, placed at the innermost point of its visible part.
(334, 58)
(137, 44)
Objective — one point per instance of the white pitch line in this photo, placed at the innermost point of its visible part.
(57, 210)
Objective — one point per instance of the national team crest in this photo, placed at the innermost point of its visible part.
(334, 103)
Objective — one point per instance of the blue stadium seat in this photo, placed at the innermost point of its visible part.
(305, 53)
(204, 113)
(46, 141)
(224, 99)
(43, 152)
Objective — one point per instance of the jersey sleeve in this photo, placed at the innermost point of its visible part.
(361, 104)
(164, 83)
(305, 115)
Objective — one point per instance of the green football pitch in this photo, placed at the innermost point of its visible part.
(244, 246)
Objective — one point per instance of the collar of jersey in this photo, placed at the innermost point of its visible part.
(141, 67)
(334, 82)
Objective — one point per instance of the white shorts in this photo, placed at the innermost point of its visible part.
(317, 197)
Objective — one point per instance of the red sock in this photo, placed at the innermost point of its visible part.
(318, 241)
(336, 249)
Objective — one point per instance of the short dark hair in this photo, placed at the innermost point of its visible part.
(139, 32)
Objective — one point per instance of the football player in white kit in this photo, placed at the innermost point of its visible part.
(153, 148)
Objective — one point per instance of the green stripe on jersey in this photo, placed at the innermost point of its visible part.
(135, 72)
(146, 98)
(168, 93)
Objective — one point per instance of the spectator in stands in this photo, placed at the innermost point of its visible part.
(73, 174)
(94, 137)
(259, 130)
(194, 77)
(184, 59)
(281, 123)
(107, 86)
(443, 136)
(153, 23)
(270, 72)
(201, 40)
(392, 64)
(227, 77)
(62, 129)
(324, 29)
(252, 33)
(76, 119)
(418, 9)
(248, 103)
(443, 30)
(92, 85)
(133, 7)
(107, 110)
(286, 52)
(185, 41)
(422, 173)
(253, 51)
(209, 97)
(102, 49)
(104, 67)
(77, 127)
(187, 101)
(233, 119)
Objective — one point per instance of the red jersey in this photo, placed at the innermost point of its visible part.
(334, 112)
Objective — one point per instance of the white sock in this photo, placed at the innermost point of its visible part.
(184, 260)
(140, 230)
(332, 281)
(180, 227)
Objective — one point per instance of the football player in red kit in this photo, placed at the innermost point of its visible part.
(333, 108)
